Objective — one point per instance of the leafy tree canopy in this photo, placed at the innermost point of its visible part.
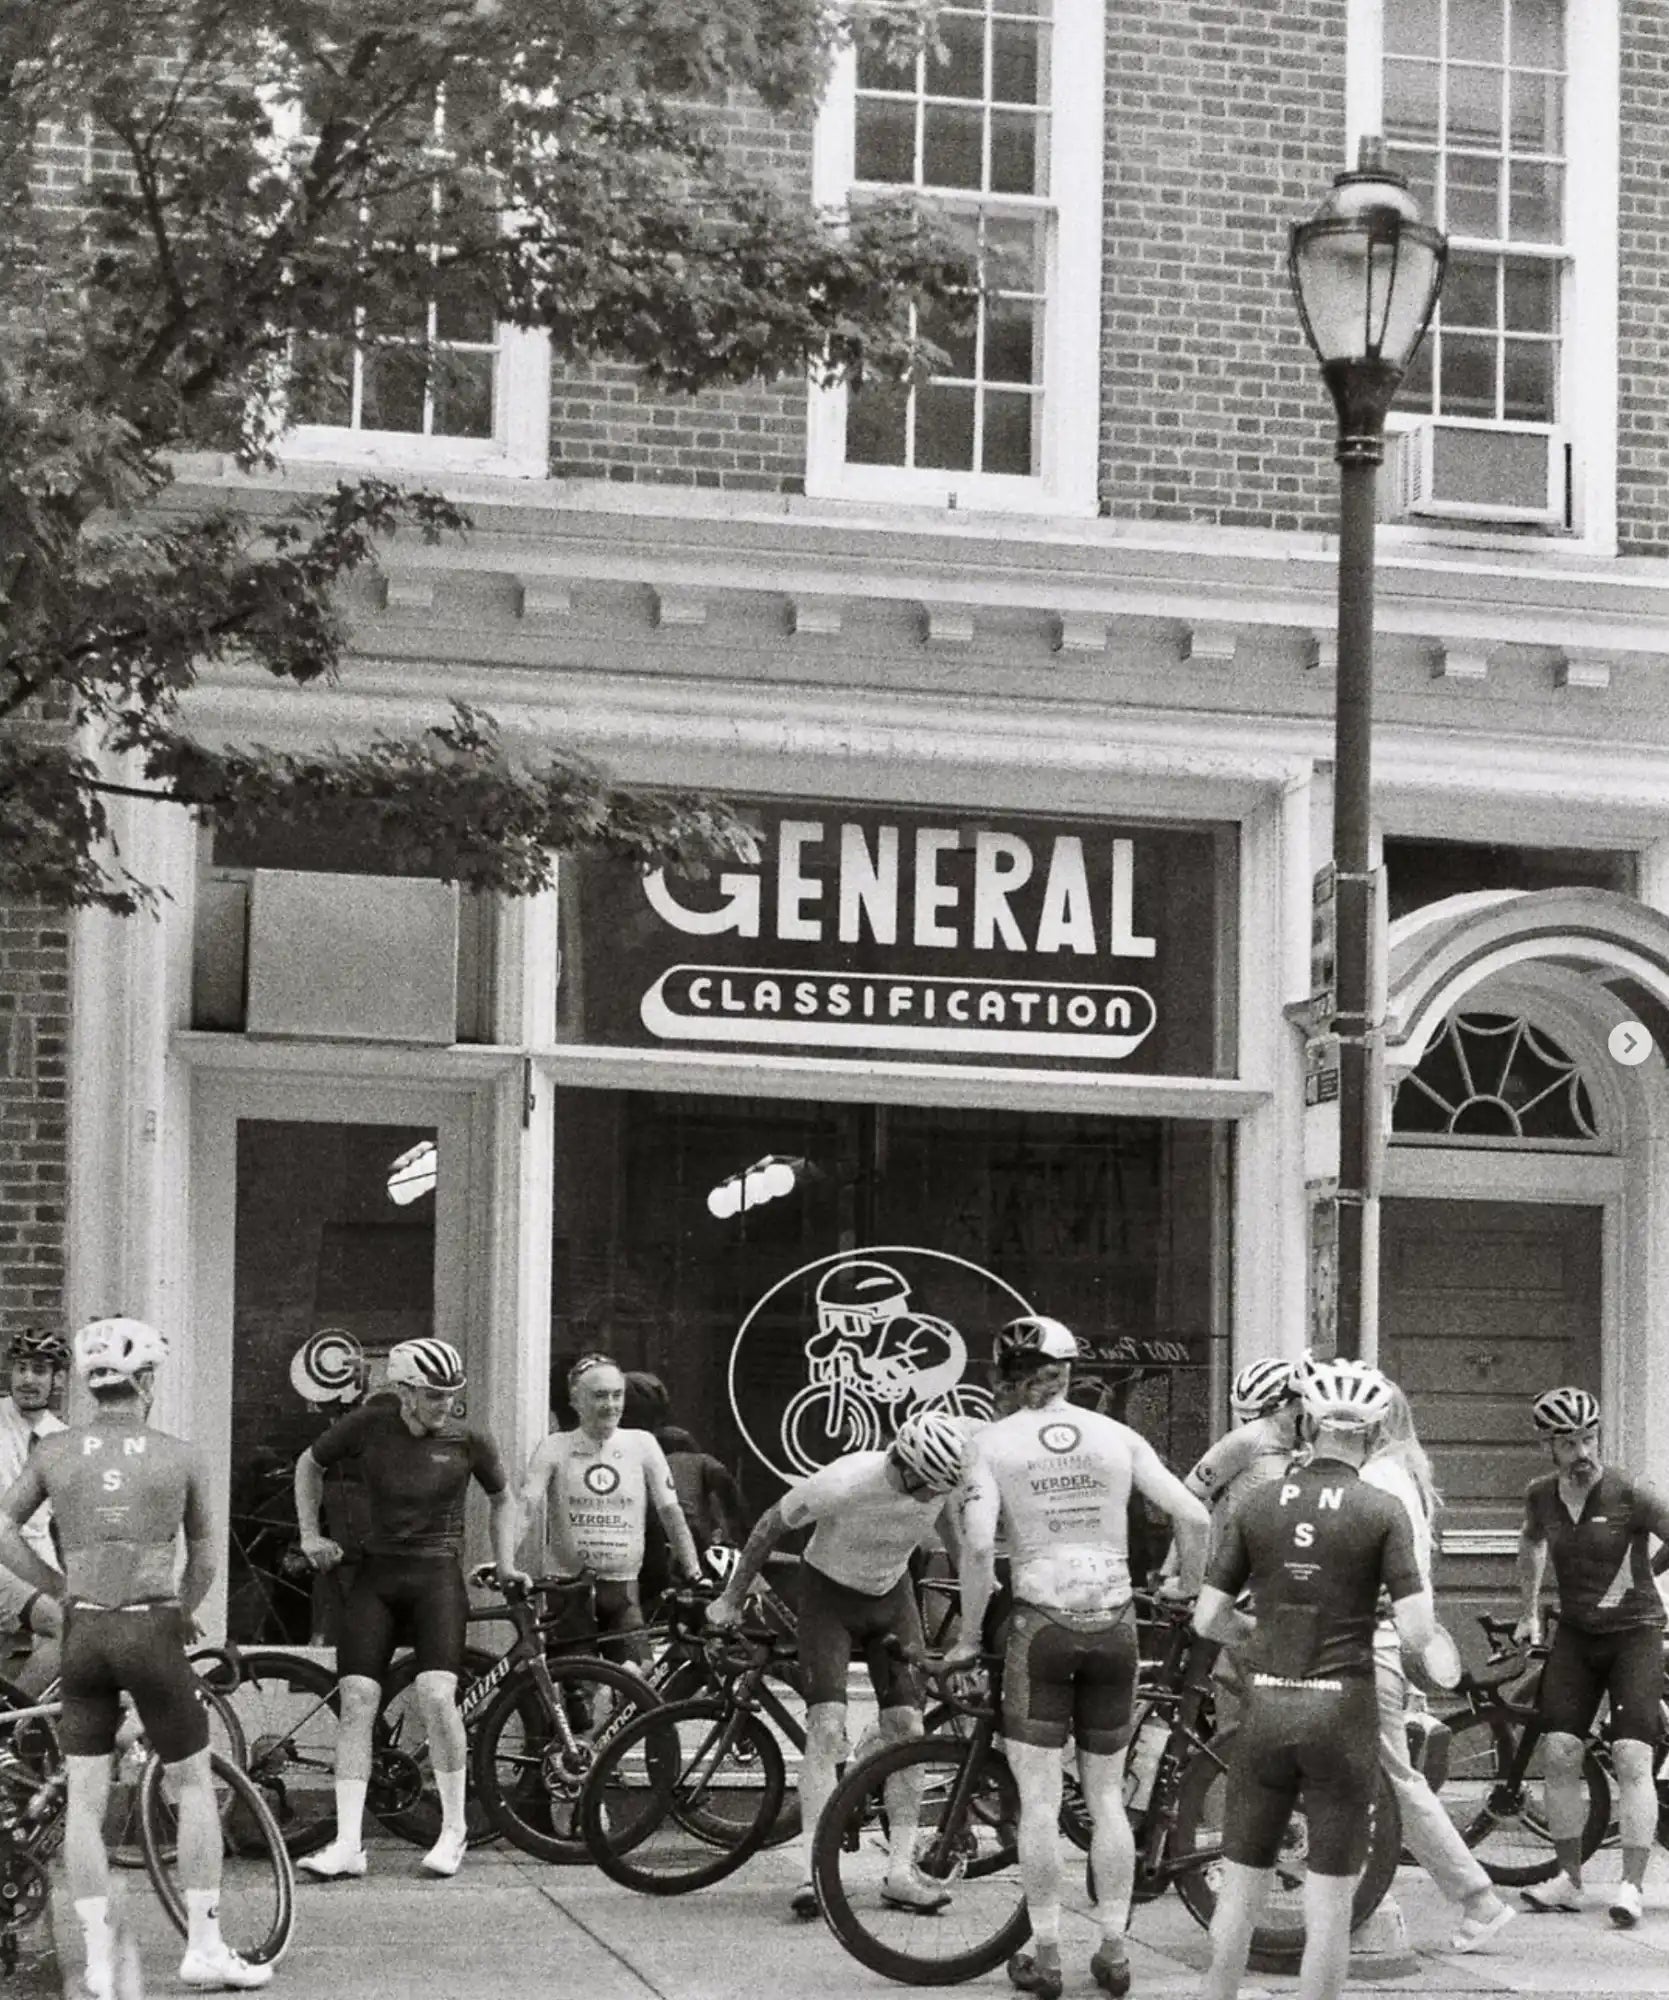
(269, 182)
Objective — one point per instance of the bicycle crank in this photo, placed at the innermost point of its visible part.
(396, 1781)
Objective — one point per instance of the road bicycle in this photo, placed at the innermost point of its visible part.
(257, 1889)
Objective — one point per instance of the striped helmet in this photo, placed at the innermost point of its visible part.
(1348, 1395)
(1563, 1411)
(934, 1449)
(40, 1343)
(426, 1364)
(1262, 1387)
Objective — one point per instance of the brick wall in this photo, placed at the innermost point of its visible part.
(1643, 398)
(34, 1019)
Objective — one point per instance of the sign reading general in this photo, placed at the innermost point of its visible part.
(867, 930)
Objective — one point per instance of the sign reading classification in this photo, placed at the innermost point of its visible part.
(877, 931)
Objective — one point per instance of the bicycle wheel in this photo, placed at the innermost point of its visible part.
(529, 1771)
(289, 1710)
(403, 1796)
(968, 1828)
(682, 1796)
(123, 1835)
(1507, 1831)
(1198, 1830)
(257, 1883)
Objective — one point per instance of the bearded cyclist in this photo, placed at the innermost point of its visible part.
(416, 1460)
(1597, 1525)
(37, 1363)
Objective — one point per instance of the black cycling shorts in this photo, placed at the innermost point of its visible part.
(1582, 1667)
(417, 1601)
(1317, 1743)
(1067, 1680)
(138, 1650)
(834, 1618)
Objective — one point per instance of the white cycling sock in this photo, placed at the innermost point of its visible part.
(203, 1916)
(450, 1785)
(350, 1812)
(94, 1915)
(1046, 1928)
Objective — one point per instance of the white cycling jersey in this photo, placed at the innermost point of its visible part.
(865, 1530)
(603, 1492)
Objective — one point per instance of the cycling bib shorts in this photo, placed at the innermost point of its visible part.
(416, 1600)
(1064, 1679)
(1315, 1742)
(138, 1649)
(834, 1618)
(1584, 1666)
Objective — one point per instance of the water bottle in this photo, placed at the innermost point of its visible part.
(1141, 1767)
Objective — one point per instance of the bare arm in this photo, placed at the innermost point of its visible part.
(198, 1573)
(663, 1495)
(1189, 1519)
(544, 1479)
(506, 1529)
(1215, 1617)
(1532, 1563)
(1416, 1620)
(770, 1529)
(310, 1495)
(978, 1566)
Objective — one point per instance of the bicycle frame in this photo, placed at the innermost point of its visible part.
(1181, 1685)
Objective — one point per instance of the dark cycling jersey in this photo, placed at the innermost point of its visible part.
(1602, 1559)
(1315, 1548)
(119, 1497)
(414, 1485)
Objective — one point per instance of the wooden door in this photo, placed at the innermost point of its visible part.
(1484, 1304)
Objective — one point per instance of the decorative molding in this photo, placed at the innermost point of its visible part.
(680, 607)
(1460, 663)
(1583, 670)
(409, 592)
(1321, 653)
(1209, 646)
(1080, 632)
(814, 617)
(948, 624)
(545, 600)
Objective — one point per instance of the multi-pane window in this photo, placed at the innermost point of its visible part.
(1475, 94)
(965, 123)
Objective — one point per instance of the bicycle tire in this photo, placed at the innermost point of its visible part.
(843, 1869)
(123, 1833)
(270, 1945)
(1482, 1746)
(1196, 1827)
(706, 1789)
(279, 1698)
(524, 1792)
(400, 1728)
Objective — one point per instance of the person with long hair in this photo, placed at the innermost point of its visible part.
(1399, 1465)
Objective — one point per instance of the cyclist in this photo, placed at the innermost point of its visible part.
(602, 1479)
(869, 1512)
(1597, 1525)
(1263, 1400)
(416, 1461)
(120, 1495)
(38, 1361)
(1059, 1481)
(1316, 1547)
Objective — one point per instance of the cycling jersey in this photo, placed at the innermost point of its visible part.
(415, 1484)
(603, 1492)
(118, 1498)
(865, 1530)
(1602, 1558)
(1237, 1464)
(1063, 1478)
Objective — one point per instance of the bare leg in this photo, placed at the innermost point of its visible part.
(1327, 1906)
(1636, 1806)
(825, 1747)
(1564, 1799)
(1037, 1776)
(903, 1791)
(437, 1701)
(1241, 1895)
(1112, 1845)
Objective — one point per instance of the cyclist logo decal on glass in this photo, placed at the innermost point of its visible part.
(872, 1350)
(601, 1479)
(1059, 1437)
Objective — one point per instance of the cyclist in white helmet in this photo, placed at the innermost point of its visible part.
(869, 1512)
(1263, 1400)
(416, 1460)
(121, 1494)
(1597, 1525)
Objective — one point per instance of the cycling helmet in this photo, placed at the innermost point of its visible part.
(1563, 1411)
(1349, 1395)
(1033, 1341)
(1262, 1387)
(935, 1449)
(115, 1350)
(40, 1343)
(426, 1364)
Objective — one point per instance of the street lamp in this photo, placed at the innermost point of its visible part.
(1366, 273)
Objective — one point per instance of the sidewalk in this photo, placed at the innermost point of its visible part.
(508, 1927)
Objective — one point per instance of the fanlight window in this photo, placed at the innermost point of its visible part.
(1494, 1080)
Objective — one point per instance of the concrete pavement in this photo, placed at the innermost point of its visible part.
(508, 1927)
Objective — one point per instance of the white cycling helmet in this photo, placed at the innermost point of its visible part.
(1562, 1412)
(1033, 1341)
(426, 1364)
(1348, 1395)
(115, 1350)
(1262, 1387)
(935, 1449)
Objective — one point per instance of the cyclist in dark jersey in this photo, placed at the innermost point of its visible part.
(1597, 1525)
(416, 1461)
(1316, 1547)
(120, 1494)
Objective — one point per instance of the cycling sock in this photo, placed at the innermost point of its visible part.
(94, 1915)
(350, 1812)
(450, 1785)
(203, 1918)
(1046, 1932)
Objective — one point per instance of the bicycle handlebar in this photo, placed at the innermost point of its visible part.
(1502, 1644)
(225, 1664)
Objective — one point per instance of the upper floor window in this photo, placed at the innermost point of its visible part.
(996, 124)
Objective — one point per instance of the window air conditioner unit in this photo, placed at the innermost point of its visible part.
(1449, 469)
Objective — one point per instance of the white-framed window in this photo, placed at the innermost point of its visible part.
(998, 125)
(443, 387)
(1504, 116)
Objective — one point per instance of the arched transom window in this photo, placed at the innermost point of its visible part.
(1494, 1080)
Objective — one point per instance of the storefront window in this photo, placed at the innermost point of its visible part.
(802, 1275)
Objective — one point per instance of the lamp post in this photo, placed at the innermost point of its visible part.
(1366, 273)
